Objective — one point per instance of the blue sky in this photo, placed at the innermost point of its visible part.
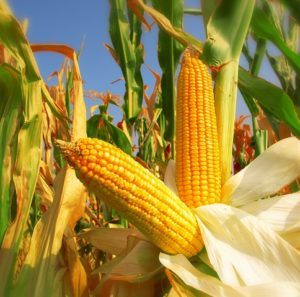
(76, 22)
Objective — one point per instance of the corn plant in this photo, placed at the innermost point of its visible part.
(83, 208)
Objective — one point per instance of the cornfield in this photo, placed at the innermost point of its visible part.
(181, 197)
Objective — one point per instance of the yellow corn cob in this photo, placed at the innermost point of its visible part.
(136, 193)
(198, 174)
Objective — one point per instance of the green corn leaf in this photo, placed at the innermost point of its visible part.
(93, 125)
(165, 24)
(119, 137)
(68, 87)
(107, 132)
(272, 98)
(150, 129)
(250, 104)
(208, 8)
(130, 55)
(21, 138)
(10, 111)
(169, 51)
(263, 28)
(284, 74)
(275, 15)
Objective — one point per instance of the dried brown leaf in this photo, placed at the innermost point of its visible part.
(70, 195)
(284, 131)
(110, 240)
(124, 289)
(137, 264)
(76, 273)
(136, 8)
(150, 101)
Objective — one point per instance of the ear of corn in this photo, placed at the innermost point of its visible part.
(198, 174)
(135, 193)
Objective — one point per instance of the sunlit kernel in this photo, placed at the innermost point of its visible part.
(197, 193)
(204, 193)
(211, 199)
(84, 169)
(85, 152)
(97, 168)
(204, 188)
(83, 162)
(92, 158)
(131, 178)
(90, 174)
(93, 152)
(91, 165)
(103, 162)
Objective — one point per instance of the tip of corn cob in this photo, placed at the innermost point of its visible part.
(189, 53)
(63, 145)
(68, 149)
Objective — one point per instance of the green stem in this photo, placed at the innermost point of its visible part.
(260, 136)
(225, 101)
(192, 11)
(258, 56)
